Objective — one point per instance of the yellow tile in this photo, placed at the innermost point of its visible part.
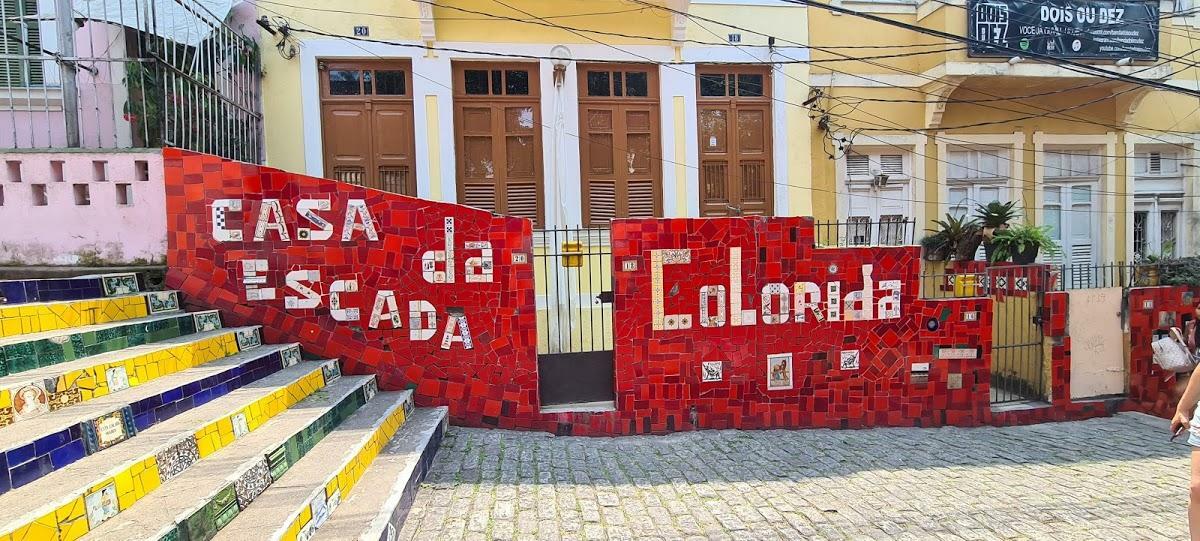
(42, 529)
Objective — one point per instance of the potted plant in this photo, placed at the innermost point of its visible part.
(934, 247)
(1147, 268)
(961, 235)
(993, 217)
(1023, 243)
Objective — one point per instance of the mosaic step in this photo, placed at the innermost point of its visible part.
(72, 500)
(295, 505)
(30, 394)
(31, 450)
(69, 289)
(379, 503)
(219, 486)
(29, 351)
(49, 316)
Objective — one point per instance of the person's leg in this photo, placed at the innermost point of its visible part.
(1194, 497)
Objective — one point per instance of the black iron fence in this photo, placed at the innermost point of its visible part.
(865, 232)
(573, 275)
(976, 280)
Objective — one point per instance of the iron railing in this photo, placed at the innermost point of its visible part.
(1010, 279)
(147, 73)
(574, 290)
(865, 232)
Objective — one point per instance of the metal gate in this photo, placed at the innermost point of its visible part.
(573, 280)
(1018, 370)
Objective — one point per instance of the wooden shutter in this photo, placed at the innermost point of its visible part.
(367, 132)
(735, 141)
(498, 129)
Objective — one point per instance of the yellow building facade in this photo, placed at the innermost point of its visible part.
(1109, 166)
(568, 112)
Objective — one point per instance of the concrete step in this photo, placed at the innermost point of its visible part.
(91, 286)
(202, 499)
(70, 501)
(28, 395)
(29, 351)
(49, 316)
(295, 505)
(380, 501)
(61, 437)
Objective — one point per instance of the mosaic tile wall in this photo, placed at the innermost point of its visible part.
(804, 337)
(1152, 313)
(22, 400)
(67, 289)
(26, 463)
(27, 319)
(19, 356)
(425, 295)
(216, 511)
(78, 513)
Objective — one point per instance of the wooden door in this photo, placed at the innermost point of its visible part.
(498, 131)
(734, 124)
(367, 124)
(620, 168)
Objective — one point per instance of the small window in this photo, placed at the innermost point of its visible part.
(141, 168)
(750, 84)
(100, 170)
(56, 170)
(712, 84)
(858, 165)
(476, 81)
(618, 84)
(344, 82)
(390, 83)
(516, 82)
(636, 84)
(83, 195)
(39, 195)
(124, 195)
(14, 170)
(368, 87)
(597, 83)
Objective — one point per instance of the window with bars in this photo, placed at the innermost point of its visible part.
(20, 37)
(1141, 220)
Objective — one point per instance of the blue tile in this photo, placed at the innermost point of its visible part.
(144, 420)
(31, 471)
(191, 388)
(5, 482)
(67, 454)
(20, 455)
(45, 444)
(172, 395)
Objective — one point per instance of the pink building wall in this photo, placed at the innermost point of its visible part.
(65, 208)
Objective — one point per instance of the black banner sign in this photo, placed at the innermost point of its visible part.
(1081, 29)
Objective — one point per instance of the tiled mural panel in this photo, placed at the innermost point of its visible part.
(1152, 313)
(804, 337)
(430, 296)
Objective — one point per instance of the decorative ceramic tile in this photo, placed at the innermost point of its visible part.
(956, 353)
(117, 378)
(207, 321)
(162, 301)
(371, 388)
(224, 507)
(850, 359)
(779, 371)
(240, 427)
(252, 483)
(30, 400)
(332, 371)
(119, 284)
(711, 371)
(954, 380)
(290, 355)
(180, 456)
(248, 338)
(108, 430)
(101, 505)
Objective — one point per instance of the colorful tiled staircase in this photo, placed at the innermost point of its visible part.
(124, 417)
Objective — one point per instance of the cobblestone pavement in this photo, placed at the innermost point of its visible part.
(1114, 478)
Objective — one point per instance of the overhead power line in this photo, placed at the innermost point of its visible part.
(1047, 59)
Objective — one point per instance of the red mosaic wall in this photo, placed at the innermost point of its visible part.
(1152, 312)
(492, 380)
(476, 352)
(659, 371)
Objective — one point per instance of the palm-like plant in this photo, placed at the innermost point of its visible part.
(961, 234)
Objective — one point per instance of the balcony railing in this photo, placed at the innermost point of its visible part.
(140, 73)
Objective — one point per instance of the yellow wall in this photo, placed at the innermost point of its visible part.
(620, 17)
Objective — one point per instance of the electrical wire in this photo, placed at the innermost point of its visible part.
(698, 169)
